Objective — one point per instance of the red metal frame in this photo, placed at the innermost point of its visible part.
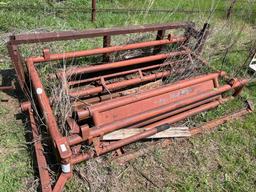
(154, 109)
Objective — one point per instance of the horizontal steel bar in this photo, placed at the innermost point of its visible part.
(99, 130)
(118, 85)
(168, 98)
(104, 50)
(108, 66)
(87, 155)
(82, 81)
(71, 35)
(169, 114)
(82, 114)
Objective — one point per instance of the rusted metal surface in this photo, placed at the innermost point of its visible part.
(93, 10)
(5, 88)
(107, 89)
(72, 35)
(127, 100)
(209, 126)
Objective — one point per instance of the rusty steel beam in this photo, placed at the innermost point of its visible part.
(83, 114)
(45, 179)
(118, 113)
(106, 43)
(155, 109)
(43, 100)
(96, 131)
(118, 85)
(106, 128)
(217, 122)
(17, 62)
(42, 166)
(119, 64)
(169, 114)
(104, 50)
(93, 11)
(151, 131)
(160, 36)
(6, 88)
(59, 141)
(206, 127)
(72, 35)
(127, 72)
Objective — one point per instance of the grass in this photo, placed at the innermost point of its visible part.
(15, 164)
(220, 161)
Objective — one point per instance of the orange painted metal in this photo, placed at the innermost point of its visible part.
(41, 160)
(156, 108)
(149, 132)
(169, 98)
(83, 114)
(97, 131)
(119, 64)
(127, 72)
(119, 85)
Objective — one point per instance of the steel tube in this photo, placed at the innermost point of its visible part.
(103, 129)
(216, 122)
(181, 116)
(83, 114)
(160, 117)
(63, 178)
(125, 63)
(118, 85)
(81, 103)
(71, 83)
(82, 157)
(104, 50)
(93, 10)
(134, 138)
(147, 133)
(6, 88)
(72, 35)
(43, 101)
(45, 179)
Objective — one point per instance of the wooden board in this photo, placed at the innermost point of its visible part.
(124, 133)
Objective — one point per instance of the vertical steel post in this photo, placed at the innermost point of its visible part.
(159, 36)
(93, 10)
(17, 62)
(106, 43)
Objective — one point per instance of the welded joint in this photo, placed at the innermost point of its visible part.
(85, 131)
(141, 74)
(74, 128)
(97, 145)
(46, 54)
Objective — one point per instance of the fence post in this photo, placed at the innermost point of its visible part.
(93, 10)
